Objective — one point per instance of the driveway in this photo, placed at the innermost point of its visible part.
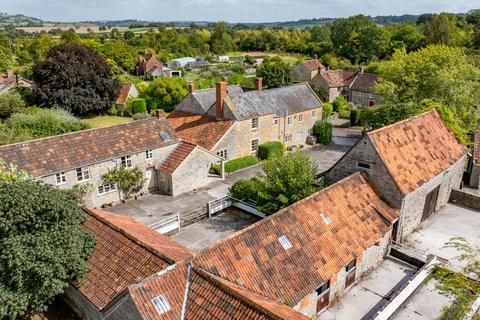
(154, 207)
(450, 221)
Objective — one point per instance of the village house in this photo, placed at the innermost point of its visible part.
(306, 70)
(9, 80)
(127, 91)
(232, 122)
(308, 254)
(414, 164)
(168, 164)
(356, 87)
(475, 165)
(125, 252)
(148, 65)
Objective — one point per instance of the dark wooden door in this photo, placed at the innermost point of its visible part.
(430, 203)
(350, 278)
(323, 301)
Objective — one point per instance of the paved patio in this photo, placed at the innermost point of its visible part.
(207, 232)
(370, 293)
(450, 221)
(153, 207)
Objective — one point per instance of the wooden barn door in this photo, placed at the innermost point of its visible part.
(430, 203)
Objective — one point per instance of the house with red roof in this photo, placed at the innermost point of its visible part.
(127, 91)
(306, 70)
(414, 164)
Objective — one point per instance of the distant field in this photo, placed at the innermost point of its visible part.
(82, 29)
(105, 121)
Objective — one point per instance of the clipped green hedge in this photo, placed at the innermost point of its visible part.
(323, 131)
(236, 164)
(246, 189)
(139, 105)
(269, 150)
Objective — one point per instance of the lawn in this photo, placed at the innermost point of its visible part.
(104, 121)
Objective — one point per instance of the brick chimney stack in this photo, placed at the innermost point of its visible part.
(191, 88)
(160, 114)
(258, 84)
(221, 95)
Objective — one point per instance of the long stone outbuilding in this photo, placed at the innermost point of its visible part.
(414, 164)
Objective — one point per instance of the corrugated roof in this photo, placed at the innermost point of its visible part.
(119, 259)
(326, 231)
(416, 150)
(279, 101)
(69, 151)
(198, 129)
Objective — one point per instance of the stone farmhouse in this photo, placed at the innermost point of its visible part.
(475, 165)
(306, 70)
(357, 87)
(152, 68)
(290, 265)
(414, 164)
(169, 164)
(232, 122)
(127, 91)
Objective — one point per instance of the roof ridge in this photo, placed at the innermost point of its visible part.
(127, 234)
(79, 131)
(281, 211)
(217, 281)
(373, 132)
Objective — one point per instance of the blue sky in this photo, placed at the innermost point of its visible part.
(228, 10)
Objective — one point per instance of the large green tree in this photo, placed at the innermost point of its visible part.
(43, 247)
(442, 29)
(275, 72)
(10, 103)
(359, 39)
(75, 78)
(438, 73)
(165, 93)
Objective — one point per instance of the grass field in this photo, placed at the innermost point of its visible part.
(105, 121)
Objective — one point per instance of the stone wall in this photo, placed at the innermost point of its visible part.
(193, 172)
(300, 73)
(363, 98)
(82, 307)
(475, 176)
(94, 199)
(363, 151)
(412, 209)
(228, 143)
(369, 260)
(465, 199)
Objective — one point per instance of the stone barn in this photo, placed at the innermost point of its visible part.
(414, 164)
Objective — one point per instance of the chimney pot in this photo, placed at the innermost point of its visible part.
(221, 92)
(160, 114)
(258, 84)
(191, 88)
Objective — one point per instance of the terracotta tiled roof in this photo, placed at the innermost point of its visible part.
(176, 158)
(313, 65)
(338, 78)
(416, 150)
(73, 150)
(364, 82)
(205, 297)
(123, 96)
(202, 130)
(164, 246)
(326, 230)
(119, 260)
(476, 147)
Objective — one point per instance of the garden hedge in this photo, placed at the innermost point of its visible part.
(323, 131)
(139, 106)
(236, 164)
(269, 150)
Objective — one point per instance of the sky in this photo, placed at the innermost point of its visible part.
(226, 10)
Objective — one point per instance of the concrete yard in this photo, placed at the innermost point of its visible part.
(152, 208)
(370, 293)
(209, 231)
(450, 221)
